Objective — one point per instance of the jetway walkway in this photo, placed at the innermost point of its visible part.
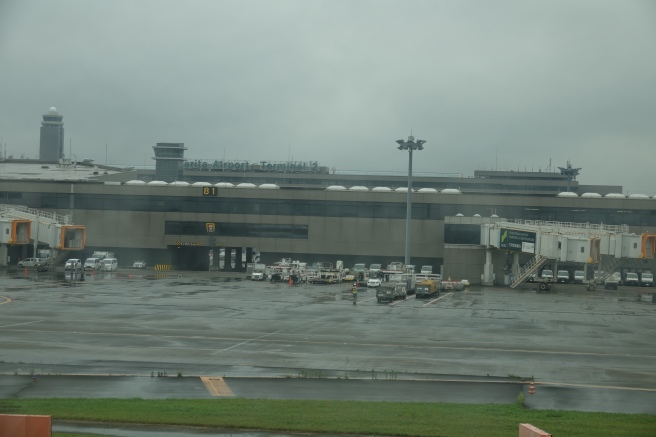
(585, 243)
(20, 225)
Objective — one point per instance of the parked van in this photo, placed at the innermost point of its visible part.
(109, 265)
(562, 276)
(646, 279)
(92, 264)
(579, 277)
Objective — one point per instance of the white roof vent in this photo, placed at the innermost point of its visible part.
(135, 182)
(459, 215)
(224, 185)
(157, 183)
(269, 186)
(427, 190)
(615, 196)
(179, 184)
(201, 184)
(336, 188)
(591, 195)
(476, 215)
(494, 216)
(358, 188)
(246, 185)
(638, 196)
(567, 194)
(451, 191)
(402, 190)
(381, 189)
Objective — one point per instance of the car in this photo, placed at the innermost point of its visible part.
(31, 262)
(73, 263)
(139, 264)
(374, 282)
(547, 275)
(465, 282)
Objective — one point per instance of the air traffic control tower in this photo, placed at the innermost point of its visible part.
(51, 147)
(169, 159)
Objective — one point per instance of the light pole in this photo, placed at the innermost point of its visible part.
(409, 145)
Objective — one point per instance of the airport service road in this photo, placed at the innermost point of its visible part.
(214, 324)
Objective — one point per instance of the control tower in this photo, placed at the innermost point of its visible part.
(169, 158)
(51, 146)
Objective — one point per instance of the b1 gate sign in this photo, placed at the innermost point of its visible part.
(517, 241)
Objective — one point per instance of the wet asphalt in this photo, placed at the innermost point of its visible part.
(118, 335)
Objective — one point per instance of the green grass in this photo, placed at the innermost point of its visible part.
(347, 417)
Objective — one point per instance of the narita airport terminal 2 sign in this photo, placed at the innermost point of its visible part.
(517, 241)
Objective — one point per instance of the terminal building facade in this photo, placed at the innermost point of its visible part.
(304, 211)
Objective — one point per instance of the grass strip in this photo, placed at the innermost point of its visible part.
(341, 417)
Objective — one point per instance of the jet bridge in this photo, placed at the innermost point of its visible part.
(583, 243)
(20, 225)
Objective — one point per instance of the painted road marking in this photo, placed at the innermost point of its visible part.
(7, 300)
(24, 323)
(401, 300)
(216, 386)
(435, 300)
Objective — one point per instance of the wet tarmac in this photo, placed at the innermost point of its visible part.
(589, 351)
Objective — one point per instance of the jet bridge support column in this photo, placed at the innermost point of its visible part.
(515, 264)
(488, 269)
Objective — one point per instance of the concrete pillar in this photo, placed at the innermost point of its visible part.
(239, 266)
(488, 269)
(249, 255)
(4, 253)
(227, 260)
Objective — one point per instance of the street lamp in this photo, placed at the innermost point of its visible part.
(409, 145)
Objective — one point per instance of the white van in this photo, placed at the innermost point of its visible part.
(109, 265)
(92, 264)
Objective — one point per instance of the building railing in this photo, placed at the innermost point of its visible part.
(31, 213)
(573, 226)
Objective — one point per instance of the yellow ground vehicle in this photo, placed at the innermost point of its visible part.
(427, 288)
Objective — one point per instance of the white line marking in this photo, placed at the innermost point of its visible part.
(249, 340)
(439, 298)
(24, 323)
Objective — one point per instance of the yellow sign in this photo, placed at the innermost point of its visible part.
(210, 227)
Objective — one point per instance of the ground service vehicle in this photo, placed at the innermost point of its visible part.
(547, 274)
(391, 292)
(579, 276)
(427, 289)
(612, 281)
(92, 264)
(109, 265)
(647, 279)
(73, 263)
(562, 277)
(31, 262)
(374, 269)
(631, 278)
(139, 264)
(426, 270)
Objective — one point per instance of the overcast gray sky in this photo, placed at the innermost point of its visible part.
(505, 84)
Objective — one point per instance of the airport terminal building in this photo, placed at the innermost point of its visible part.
(300, 210)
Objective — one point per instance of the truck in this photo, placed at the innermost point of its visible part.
(255, 271)
(391, 291)
(562, 277)
(426, 289)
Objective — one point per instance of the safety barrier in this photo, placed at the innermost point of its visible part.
(162, 267)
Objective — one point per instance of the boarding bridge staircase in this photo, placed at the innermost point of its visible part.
(607, 268)
(529, 268)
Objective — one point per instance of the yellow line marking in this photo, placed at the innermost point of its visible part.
(216, 386)
(7, 300)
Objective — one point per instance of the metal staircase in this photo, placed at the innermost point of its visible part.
(528, 269)
(607, 268)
